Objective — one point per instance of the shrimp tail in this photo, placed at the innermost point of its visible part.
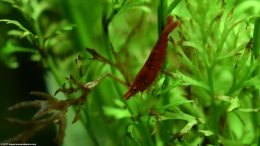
(170, 26)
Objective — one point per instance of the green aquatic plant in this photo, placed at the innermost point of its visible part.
(207, 92)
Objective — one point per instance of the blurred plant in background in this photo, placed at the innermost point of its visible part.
(207, 93)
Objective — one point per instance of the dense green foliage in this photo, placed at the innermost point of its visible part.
(207, 93)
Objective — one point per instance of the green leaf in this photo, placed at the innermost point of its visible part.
(143, 8)
(138, 4)
(11, 48)
(189, 81)
(246, 110)
(7, 53)
(234, 102)
(188, 127)
(170, 87)
(16, 23)
(38, 8)
(206, 132)
(23, 32)
(11, 61)
(117, 113)
(173, 5)
(177, 103)
(119, 103)
(14, 3)
(246, 8)
(65, 28)
(7, 57)
(176, 116)
(18, 33)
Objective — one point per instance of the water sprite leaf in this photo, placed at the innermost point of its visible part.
(133, 132)
(246, 8)
(173, 5)
(9, 1)
(38, 8)
(13, 3)
(18, 33)
(11, 48)
(119, 103)
(206, 132)
(176, 116)
(10, 61)
(223, 98)
(16, 23)
(234, 102)
(36, 57)
(117, 113)
(32, 8)
(143, 8)
(177, 103)
(189, 81)
(139, 4)
(7, 57)
(170, 87)
(249, 110)
(188, 127)
(24, 32)
(253, 81)
(64, 28)
(7, 53)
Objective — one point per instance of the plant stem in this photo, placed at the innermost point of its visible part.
(54, 71)
(39, 34)
(161, 15)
